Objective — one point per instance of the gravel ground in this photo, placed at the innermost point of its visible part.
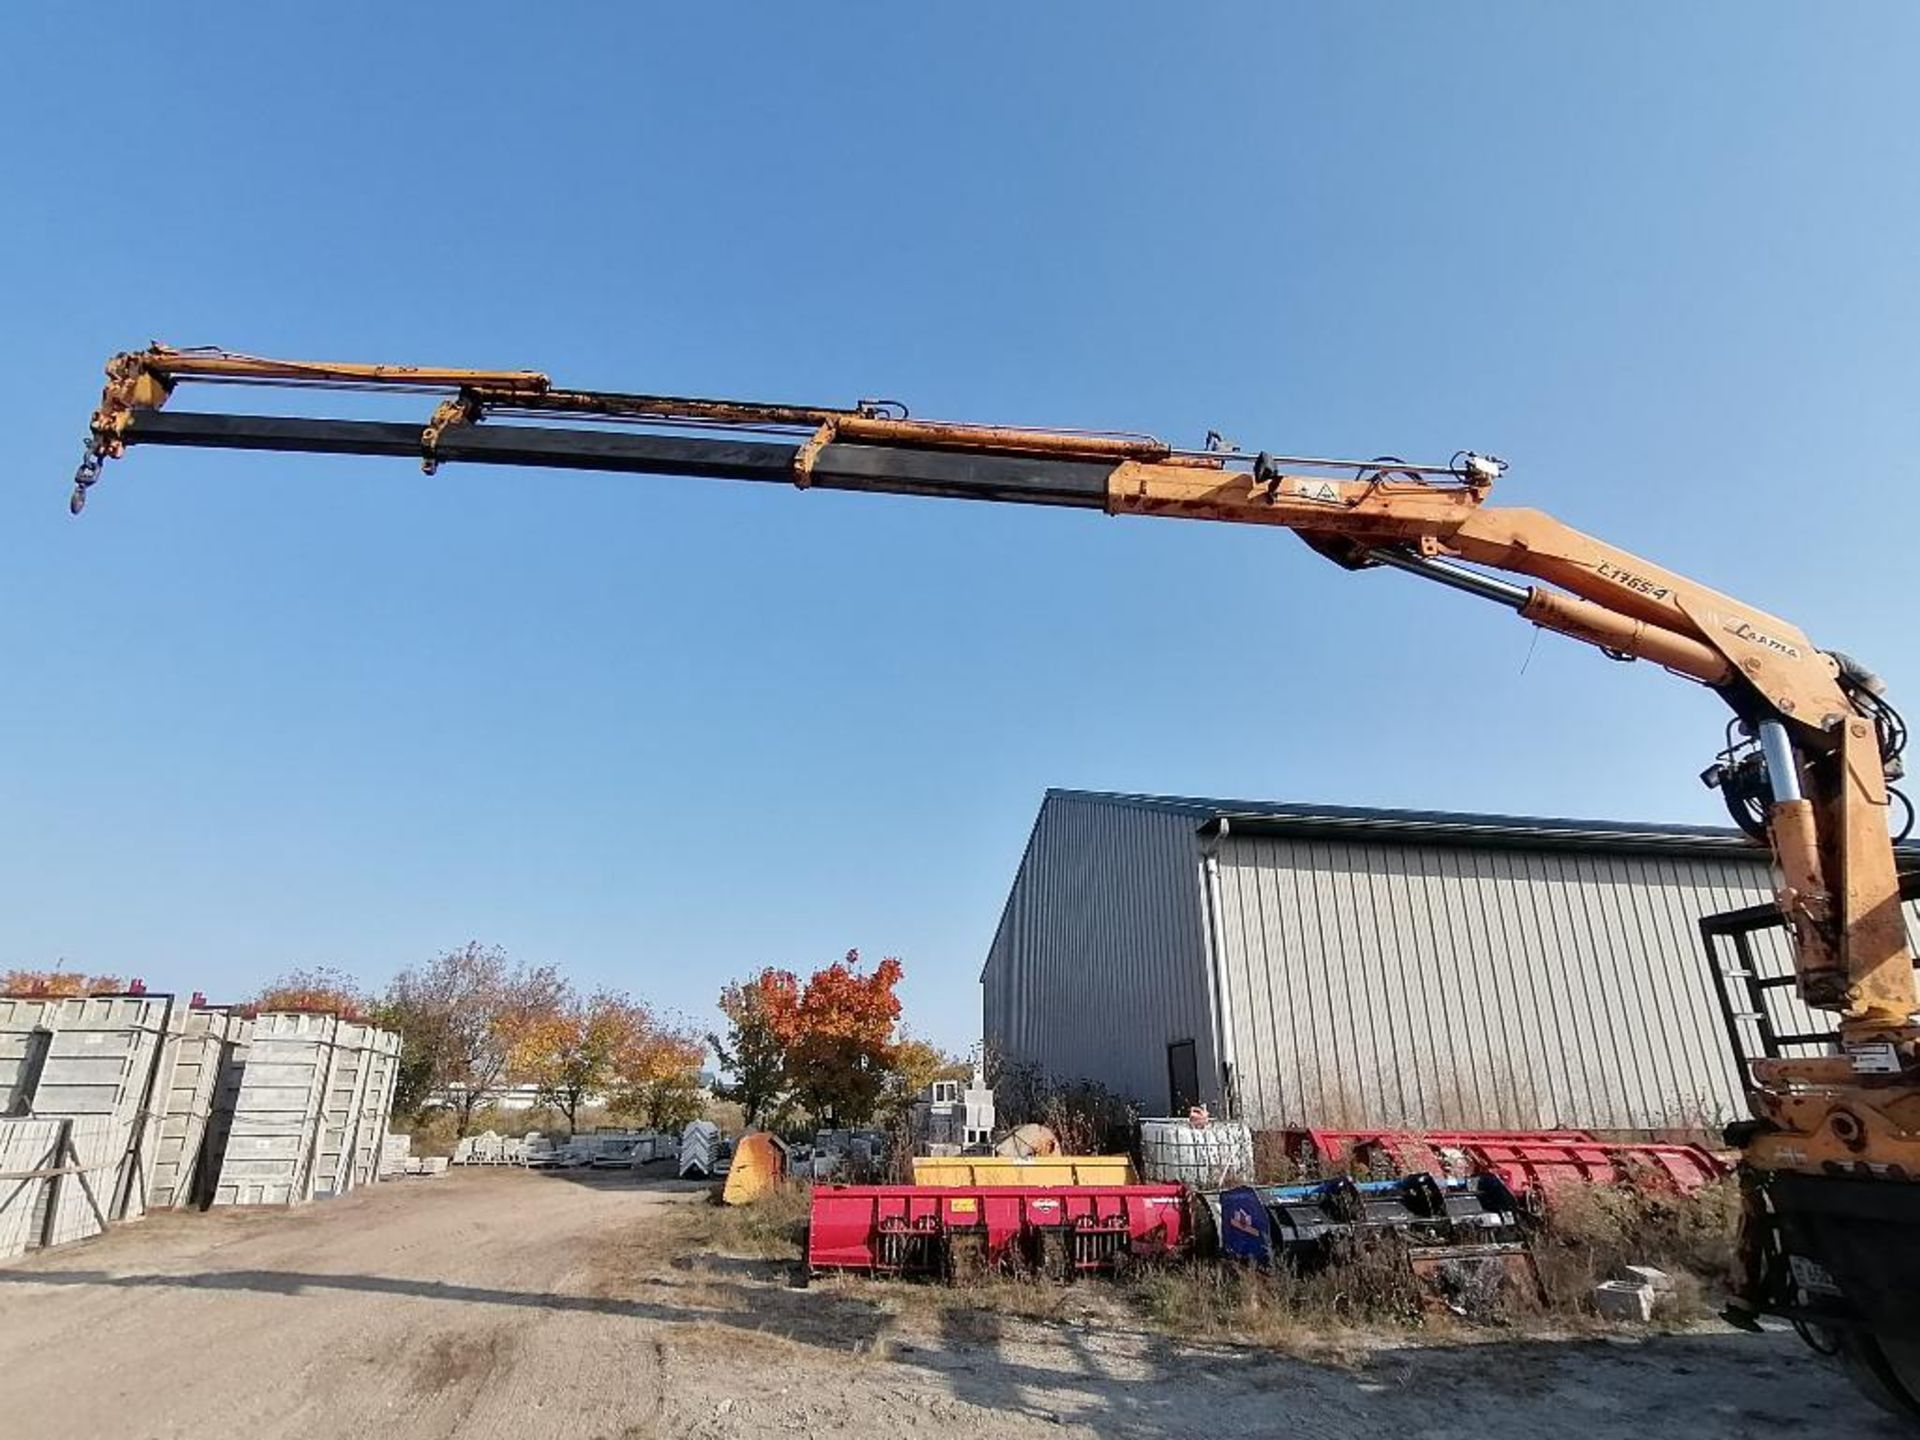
(545, 1307)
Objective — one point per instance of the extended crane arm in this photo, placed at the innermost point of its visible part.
(1813, 776)
(1832, 1154)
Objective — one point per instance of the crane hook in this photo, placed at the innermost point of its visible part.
(85, 476)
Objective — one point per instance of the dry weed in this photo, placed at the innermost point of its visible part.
(1589, 1231)
(1368, 1288)
(774, 1227)
(1272, 1165)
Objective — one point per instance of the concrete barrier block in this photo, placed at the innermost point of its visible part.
(1624, 1300)
(1659, 1280)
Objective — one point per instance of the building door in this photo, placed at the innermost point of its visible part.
(1183, 1077)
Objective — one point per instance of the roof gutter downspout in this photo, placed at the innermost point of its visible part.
(1217, 971)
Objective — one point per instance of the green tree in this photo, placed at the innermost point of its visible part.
(751, 1052)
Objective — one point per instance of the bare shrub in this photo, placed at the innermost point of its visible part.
(1086, 1118)
(432, 1132)
(1272, 1165)
(540, 1119)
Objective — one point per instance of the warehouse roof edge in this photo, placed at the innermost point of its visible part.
(1214, 817)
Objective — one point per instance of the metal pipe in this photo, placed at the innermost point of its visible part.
(1240, 458)
(877, 469)
(1457, 577)
(1783, 771)
(1225, 1057)
(1619, 634)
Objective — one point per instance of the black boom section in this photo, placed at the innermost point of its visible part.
(883, 469)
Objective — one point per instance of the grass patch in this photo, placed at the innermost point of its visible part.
(1367, 1289)
(774, 1227)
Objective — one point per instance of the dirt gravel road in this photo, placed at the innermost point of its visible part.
(508, 1304)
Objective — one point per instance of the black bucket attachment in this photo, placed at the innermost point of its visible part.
(1461, 1239)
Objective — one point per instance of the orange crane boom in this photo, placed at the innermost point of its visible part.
(1810, 772)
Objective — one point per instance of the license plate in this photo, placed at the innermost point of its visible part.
(1812, 1276)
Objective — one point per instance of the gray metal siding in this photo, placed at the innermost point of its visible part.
(1403, 984)
(1099, 962)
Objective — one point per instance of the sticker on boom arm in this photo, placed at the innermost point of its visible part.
(1877, 1058)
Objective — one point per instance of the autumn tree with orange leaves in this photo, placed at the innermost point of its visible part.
(321, 989)
(609, 1046)
(660, 1076)
(59, 984)
(576, 1050)
(917, 1063)
(836, 1032)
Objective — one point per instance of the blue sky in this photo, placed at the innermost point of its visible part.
(271, 711)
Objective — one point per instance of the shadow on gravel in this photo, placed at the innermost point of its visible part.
(1710, 1387)
(1138, 1383)
(659, 1177)
(774, 1311)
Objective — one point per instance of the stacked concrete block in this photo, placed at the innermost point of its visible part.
(489, 1147)
(101, 1059)
(226, 1099)
(274, 1135)
(1634, 1294)
(309, 1115)
(32, 1154)
(205, 1043)
(359, 1095)
(95, 1150)
(114, 1104)
(55, 1175)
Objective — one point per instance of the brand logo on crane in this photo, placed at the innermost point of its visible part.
(1742, 630)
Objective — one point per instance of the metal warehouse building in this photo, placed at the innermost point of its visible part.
(1305, 964)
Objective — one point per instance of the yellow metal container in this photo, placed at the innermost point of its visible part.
(759, 1163)
(968, 1170)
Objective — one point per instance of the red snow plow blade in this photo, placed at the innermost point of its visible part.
(1063, 1230)
(1530, 1163)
